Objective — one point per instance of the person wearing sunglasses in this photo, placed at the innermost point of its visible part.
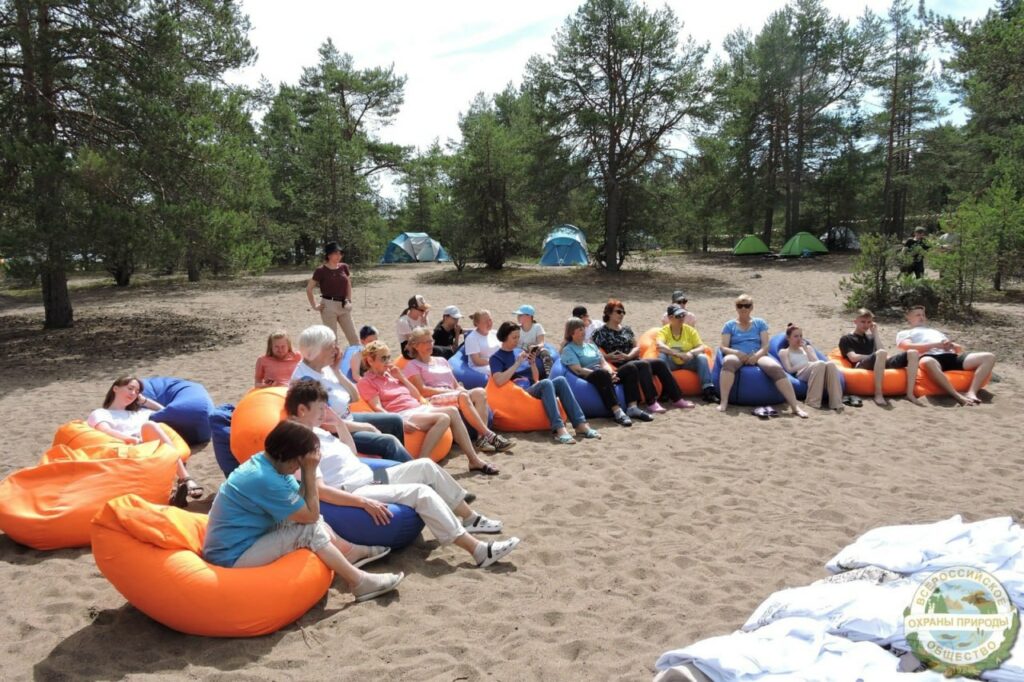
(745, 342)
(386, 389)
(617, 344)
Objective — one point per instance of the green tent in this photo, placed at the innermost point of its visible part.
(751, 245)
(801, 243)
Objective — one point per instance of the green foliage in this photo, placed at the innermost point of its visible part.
(871, 284)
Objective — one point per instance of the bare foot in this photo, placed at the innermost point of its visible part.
(963, 400)
(914, 399)
(722, 407)
(973, 397)
(800, 413)
(881, 401)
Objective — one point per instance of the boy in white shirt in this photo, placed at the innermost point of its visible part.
(940, 354)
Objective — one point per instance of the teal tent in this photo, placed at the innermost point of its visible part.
(751, 245)
(565, 245)
(414, 247)
(803, 244)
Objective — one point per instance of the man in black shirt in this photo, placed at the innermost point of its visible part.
(915, 247)
(862, 349)
(448, 333)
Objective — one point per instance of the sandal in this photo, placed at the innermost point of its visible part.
(852, 401)
(565, 439)
(589, 434)
(487, 469)
(195, 491)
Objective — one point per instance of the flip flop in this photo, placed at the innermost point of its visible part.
(487, 469)
(853, 401)
(771, 411)
(760, 412)
(195, 491)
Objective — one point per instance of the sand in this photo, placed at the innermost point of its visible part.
(648, 540)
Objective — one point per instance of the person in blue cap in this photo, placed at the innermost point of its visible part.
(531, 336)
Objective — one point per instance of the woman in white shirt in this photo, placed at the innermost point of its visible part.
(125, 415)
(799, 359)
(481, 344)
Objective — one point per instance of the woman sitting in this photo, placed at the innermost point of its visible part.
(413, 317)
(385, 389)
(343, 480)
(125, 416)
(262, 513)
(433, 378)
(531, 335)
(373, 434)
(745, 342)
(510, 363)
(367, 335)
(618, 346)
(482, 342)
(583, 359)
(800, 360)
(275, 367)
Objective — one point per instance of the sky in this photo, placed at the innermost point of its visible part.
(452, 49)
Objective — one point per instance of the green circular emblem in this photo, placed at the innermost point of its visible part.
(961, 622)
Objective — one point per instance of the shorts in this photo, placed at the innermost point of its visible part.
(898, 361)
(949, 361)
(446, 399)
(404, 414)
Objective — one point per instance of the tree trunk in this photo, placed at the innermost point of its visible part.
(611, 226)
(56, 300)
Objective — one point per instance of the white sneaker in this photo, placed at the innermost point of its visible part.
(482, 524)
(497, 550)
(376, 584)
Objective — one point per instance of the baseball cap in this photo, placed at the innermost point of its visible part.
(525, 310)
(332, 247)
(676, 311)
(678, 296)
(452, 311)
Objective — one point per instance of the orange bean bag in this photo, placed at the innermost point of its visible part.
(151, 555)
(516, 410)
(862, 381)
(78, 434)
(49, 506)
(262, 409)
(688, 381)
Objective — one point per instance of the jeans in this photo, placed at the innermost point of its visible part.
(388, 443)
(550, 392)
(698, 363)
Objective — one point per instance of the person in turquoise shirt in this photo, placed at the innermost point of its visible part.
(583, 359)
(262, 513)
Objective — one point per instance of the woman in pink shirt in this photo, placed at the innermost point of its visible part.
(276, 366)
(385, 389)
(433, 378)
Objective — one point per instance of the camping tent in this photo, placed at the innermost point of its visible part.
(565, 245)
(751, 245)
(801, 243)
(414, 247)
(841, 237)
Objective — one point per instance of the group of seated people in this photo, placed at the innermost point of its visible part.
(269, 506)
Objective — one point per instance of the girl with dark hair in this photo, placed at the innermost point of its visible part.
(125, 415)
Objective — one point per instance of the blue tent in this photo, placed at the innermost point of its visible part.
(414, 247)
(565, 245)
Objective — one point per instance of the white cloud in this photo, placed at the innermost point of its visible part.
(452, 50)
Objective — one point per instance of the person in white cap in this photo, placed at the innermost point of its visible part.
(448, 333)
(531, 336)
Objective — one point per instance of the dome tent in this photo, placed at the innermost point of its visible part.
(414, 247)
(801, 243)
(841, 237)
(565, 245)
(751, 245)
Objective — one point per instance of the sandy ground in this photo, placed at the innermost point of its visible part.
(648, 540)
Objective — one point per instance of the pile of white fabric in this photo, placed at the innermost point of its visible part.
(849, 626)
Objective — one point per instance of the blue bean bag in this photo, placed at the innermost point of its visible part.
(355, 525)
(187, 407)
(467, 376)
(586, 395)
(220, 430)
(775, 344)
(752, 386)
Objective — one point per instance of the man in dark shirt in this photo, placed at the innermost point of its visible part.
(915, 247)
(448, 333)
(861, 348)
